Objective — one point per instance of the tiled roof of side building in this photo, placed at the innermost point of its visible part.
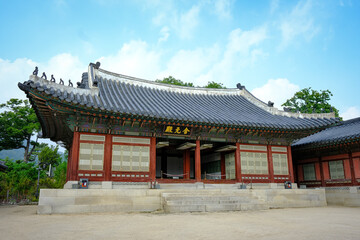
(343, 132)
(122, 94)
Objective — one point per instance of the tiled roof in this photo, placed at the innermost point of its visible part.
(120, 94)
(347, 131)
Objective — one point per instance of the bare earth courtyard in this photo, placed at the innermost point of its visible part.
(22, 222)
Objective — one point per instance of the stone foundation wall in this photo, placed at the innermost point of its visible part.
(150, 200)
(345, 196)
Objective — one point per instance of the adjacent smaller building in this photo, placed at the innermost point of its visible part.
(330, 158)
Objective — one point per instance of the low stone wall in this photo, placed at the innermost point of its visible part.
(346, 196)
(150, 200)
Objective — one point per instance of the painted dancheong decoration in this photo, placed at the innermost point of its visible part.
(125, 129)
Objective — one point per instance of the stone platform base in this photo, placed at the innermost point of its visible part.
(53, 201)
(343, 196)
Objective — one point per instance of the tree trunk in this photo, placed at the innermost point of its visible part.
(26, 158)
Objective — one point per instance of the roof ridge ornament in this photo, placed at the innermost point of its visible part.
(44, 76)
(61, 82)
(52, 78)
(270, 104)
(239, 86)
(95, 65)
(36, 71)
(70, 83)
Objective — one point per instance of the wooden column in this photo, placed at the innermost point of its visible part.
(352, 170)
(197, 162)
(68, 170)
(152, 167)
(186, 164)
(108, 157)
(75, 157)
(322, 173)
(222, 165)
(270, 164)
(290, 164)
(238, 163)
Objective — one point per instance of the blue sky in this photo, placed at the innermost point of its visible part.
(274, 48)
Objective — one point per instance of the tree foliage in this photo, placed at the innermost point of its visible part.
(174, 81)
(213, 84)
(18, 123)
(311, 101)
(47, 155)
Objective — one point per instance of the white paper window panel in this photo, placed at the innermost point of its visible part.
(254, 163)
(279, 149)
(309, 172)
(230, 166)
(131, 158)
(131, 140)
(253, 147)
(280, 164)
(91, 156)
(87, 137)
(336, 169)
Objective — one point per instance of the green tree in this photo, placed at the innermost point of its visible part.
(19, 180)
(48, 155)
(174, 81)
(213, 84)
(311, 101)
(18, 123)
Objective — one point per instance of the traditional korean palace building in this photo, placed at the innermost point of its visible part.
(124, 129)
(331, 157)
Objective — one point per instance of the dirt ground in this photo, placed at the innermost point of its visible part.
(22, 222)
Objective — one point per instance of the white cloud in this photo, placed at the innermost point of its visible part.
(165, 33)
(188, 22)
(276, 90)
(241, 51)
(274, 5)
(223, 8)
(63, 66)
(182, 24)
(134, 59)
(12, 72)
(298, 23)
(188, 65)
(351, 112)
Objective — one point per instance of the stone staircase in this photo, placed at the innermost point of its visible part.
(211, 201)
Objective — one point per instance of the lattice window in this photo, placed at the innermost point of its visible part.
(279, 149)
(130, 158)
(91, 156)
(309, 172)
(336, 169)
(87, 137)
(253, 147)
(280, 164)
(230, 166)
(131, 140)
(254, 163)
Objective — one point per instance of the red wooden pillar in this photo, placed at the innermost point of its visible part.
(68, 171)
(197, 162)
(352, 170)
(108, 157)
(222, 165)
(322, 173)
(270, 164)
(152, 167)
(238, 163)
(186, 164)
(75, 157)
(290, 164)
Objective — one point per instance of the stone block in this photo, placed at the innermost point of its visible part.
(106, 185)
(69, 184)
(354, 190)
